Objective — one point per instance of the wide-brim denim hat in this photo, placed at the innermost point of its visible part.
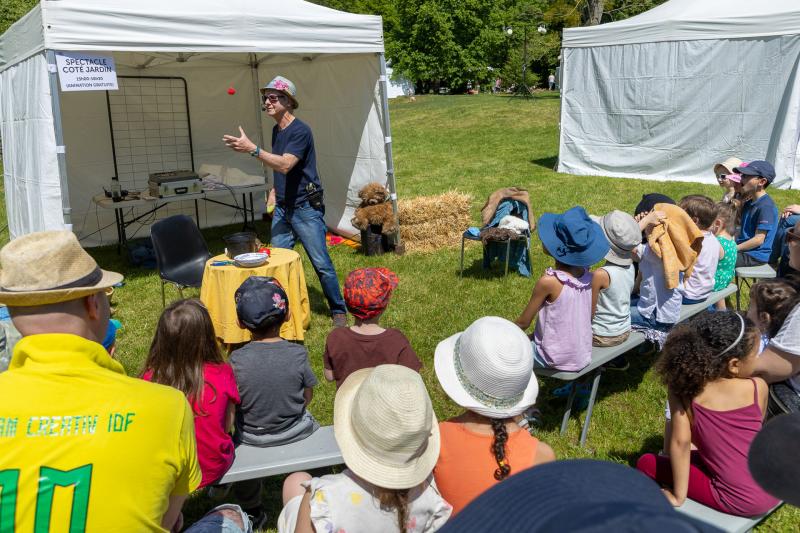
(763, 169)
(577, 495)
(284, 86)
(572, 238)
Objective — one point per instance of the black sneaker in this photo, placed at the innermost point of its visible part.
(619, 363)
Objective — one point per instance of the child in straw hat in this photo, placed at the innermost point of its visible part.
(487, 370)
(728, 178)
(386, 429)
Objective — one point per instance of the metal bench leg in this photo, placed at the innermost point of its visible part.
(508, 255)
(163, 296)
(462, 256)
(568, 410)
(590, 407)
(738, 291)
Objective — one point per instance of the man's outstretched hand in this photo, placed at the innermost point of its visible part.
(239, 144)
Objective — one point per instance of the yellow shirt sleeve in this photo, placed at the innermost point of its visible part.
(190, 475)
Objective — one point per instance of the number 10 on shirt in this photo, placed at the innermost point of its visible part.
(49, 478)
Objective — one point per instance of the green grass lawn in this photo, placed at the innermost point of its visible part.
(473, 144)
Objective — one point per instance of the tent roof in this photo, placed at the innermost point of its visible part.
(689, 20)
(273, 26)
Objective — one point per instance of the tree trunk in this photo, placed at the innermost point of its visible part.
(592, 12)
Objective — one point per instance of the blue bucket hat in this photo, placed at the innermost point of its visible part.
(572, 238)
(763, 169)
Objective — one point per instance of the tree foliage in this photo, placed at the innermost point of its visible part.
(451, 42)
(12, 10)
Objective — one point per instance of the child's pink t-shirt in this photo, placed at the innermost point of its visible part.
(215, 450)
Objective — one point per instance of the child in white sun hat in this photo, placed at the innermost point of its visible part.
(389, 438)
(487, 370)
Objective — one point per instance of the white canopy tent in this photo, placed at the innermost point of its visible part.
(669, 93)
(58, 146)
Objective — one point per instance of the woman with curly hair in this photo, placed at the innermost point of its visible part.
(717, 405)
(487, 370)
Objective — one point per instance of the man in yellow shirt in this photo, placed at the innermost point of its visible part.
(84, 447)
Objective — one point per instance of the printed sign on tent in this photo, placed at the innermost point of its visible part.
(84, 72)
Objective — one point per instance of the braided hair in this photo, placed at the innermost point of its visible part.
(396, 499)
(499, 449)
(697, 351)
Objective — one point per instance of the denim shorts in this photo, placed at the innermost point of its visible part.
(216, 522)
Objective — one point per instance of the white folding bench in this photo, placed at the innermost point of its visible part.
(603, 355)
(756, 272)
(726, 522)
(316, 451)
(688, 311)
(600, 356)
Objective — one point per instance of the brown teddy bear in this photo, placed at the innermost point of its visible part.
(375, 209)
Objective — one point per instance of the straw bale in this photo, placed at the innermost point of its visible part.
(428, 223)
(431, 208)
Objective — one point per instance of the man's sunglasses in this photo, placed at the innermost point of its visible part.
(792, 236)
(273, 98)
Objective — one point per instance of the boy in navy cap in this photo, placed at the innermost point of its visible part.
(759, 215)
(274, 377)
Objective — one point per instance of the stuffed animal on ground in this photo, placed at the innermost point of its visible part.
(375, 209)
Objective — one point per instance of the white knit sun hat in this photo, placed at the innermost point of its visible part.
(488, 368)
(385, 426)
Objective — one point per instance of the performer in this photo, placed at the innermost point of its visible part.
(298, 192)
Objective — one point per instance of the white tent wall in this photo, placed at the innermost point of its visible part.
(212, 113)
(338, 99)
(333, 57)
(346, 123)
(670, 110)
(670, 92)
(30, 167)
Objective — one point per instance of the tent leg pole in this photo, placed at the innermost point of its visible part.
(256, 87)
(387, 132)
(61, 156)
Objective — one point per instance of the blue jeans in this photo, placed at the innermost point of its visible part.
(304, 223)
(216, 522)
(780, 250)
(692, 301)
(637, 319)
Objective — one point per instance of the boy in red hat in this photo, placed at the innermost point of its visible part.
(367, 344)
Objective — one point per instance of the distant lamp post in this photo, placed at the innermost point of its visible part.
(522, 88)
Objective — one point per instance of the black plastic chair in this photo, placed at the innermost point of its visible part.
(181, 253)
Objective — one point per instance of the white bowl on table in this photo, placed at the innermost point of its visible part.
(250, 260)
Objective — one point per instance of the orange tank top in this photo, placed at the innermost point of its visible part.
(466, 464)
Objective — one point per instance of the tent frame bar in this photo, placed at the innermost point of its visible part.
(387, 132)
(58, 130)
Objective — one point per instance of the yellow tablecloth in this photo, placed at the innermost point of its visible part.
(220, 284)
